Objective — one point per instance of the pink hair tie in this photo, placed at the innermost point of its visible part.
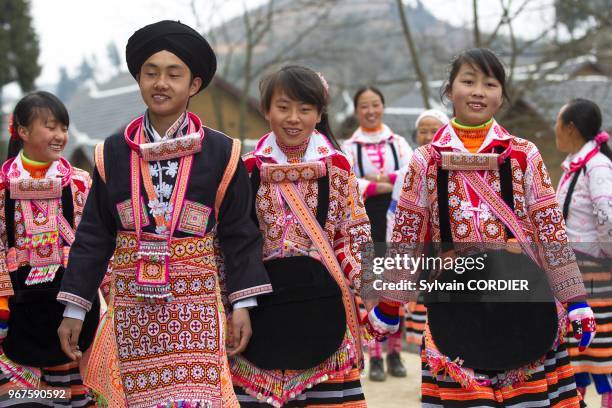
(324, 82)
(602, 137)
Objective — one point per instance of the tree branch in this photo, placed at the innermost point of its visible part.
(414, 55)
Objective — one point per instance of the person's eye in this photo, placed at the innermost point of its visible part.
(467, 81)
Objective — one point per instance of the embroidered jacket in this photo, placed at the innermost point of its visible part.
(535, 205)
(173, 350)
(109, 211)
(589, 219)
(347, 228)
(379, 152)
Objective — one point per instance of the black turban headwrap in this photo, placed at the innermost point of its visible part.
(177, 38)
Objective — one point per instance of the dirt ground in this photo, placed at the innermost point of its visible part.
(405, 392)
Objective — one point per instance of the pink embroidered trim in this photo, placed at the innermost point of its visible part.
(74, 299)
(249, 292)
(35, 189)
(279, 173)
(170, 149)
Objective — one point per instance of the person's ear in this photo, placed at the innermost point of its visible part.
(23, 133)
(196, 83)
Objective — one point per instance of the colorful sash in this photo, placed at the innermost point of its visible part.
(310, 224)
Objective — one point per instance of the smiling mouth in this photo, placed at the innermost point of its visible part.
(477, 106)
(292, 131)
(160, 98)
(56, 147)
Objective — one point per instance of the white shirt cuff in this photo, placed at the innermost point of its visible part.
(75, 312)
(247, 303)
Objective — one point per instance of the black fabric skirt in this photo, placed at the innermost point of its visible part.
(376, 207)
(302, 322)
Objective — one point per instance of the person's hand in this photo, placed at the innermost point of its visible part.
(241, 331)
(378, 178)
(382, 321)
(384, 188)
(583, 324)
(68, 333)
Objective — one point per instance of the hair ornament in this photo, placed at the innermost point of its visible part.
(324, 82)
(602, 137)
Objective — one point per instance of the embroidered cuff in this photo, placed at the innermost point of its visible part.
(392, 177)
(249, 292)
(370, 190)
(66, 298)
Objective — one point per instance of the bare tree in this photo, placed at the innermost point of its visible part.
(249, 45)
(476, 28)
(414, 55)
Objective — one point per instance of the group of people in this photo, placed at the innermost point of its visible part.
(234, 281)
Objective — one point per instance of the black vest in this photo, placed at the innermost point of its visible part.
(206, 173)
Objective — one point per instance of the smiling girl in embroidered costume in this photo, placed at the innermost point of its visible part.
(481, 352)
(584, 193)
(41, 202)
(166, 193)
(306, 346)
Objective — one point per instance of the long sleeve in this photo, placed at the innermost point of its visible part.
(352, 234)
(241, 242)
(395, 195)
(93, 247)
(404, 152)
(349, 148)
(600, 190)
(412, 218)
(554, 250)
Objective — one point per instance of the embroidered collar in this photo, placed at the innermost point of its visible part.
(579, 159)
(180, 123)
(362, 136)
(447, 139)
(319, 147)
(13, 170)
(188, 144)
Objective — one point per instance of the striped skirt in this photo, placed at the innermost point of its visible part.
(416, 315)
(341, 391)
(597, 358)
(551, 384)
(65, 379)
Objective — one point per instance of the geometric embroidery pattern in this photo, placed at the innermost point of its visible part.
(170, 351)
(194, 218)
(126, 214)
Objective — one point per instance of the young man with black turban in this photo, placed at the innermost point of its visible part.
(162, 193)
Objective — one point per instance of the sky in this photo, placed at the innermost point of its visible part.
(69, 30)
